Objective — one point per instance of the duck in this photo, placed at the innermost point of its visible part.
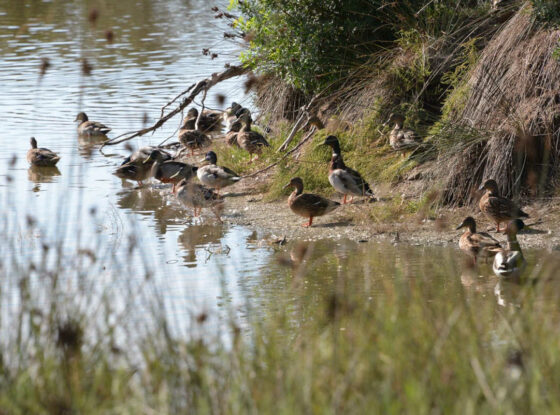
(169, 171)
(476, 243)
(399, 137)
(308, 205)
(248, 140)
(136, 169)
(144, 153)
(497, 208)
(41, 157)
(216, 176)
(510, 262)
(193, 140)
(229, 115)
(91, 128)
(231, 135)
(210, 121)
(198, 196)
(344, 179)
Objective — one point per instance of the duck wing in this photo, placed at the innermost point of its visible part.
(359, 182)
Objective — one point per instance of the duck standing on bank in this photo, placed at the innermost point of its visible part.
(401, 138)
(197, 196)
(41, 157)
(90, 128)
(231, 135)
(308, 205)
(510, 262)
(497, 208)
(144, 152)
(343, 178)
(477, 244)
(216, 176)
(250, 141)
(169, 171)
(230, 114)
(209, 122)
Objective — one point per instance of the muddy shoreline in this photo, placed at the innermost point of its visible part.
(248, 207)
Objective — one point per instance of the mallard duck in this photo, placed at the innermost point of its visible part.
(193, 140)
(250, 141)
(476, 243)
(169, 171)
(144, 152)
(210, 121)
(230, 114)
(231, 135)
(41, 157)
(137, 169)
(510, 262)
(400, 138)
(216, 176)
(87, 127)
(198, 196)
(497, 208)
(344, 179)
(308, 205)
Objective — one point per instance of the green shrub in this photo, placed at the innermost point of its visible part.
(547, 11)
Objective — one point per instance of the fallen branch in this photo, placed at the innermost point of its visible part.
(196, 88)
(297, 126)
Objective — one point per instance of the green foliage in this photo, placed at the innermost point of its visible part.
(547, 11)
(314, 44)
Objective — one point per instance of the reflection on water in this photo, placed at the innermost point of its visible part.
(199, 241)
(42, 174)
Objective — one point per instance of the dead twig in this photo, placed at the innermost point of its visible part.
(297, 126)
(197, 88)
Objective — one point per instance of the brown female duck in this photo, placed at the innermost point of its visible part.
(231, 135)
(210, 121)
(476, 243)
(169, 171)
(90, 128)
(41, 157)
(401, 138)
(308, 205)
(497, 208)
(198, 196)
(248, 140)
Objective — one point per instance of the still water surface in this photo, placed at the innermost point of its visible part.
(156, 53)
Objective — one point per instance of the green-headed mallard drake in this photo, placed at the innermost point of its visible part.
(210, 121)
(216, 176)
(510, 262)
(399, 137)
(476, 243)
(308, 205)
(248, 140)
(199, 196)
(229, 115)
(344, 179)
(41, 157)
(231, 135)
(92, 128)
(497, 208)
(169, 171)
(144, 152)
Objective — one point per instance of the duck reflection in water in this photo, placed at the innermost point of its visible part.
(87, 144)
(152, 201)
(195, 238)
(42, 174)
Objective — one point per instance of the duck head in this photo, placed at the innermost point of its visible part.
(469, 223)
(81, 117)
(332, 142)
(295, 183)
(210, 157)
(491, 186)
(192, 113)
(155, 156)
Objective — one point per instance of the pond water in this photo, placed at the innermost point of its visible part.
(155, 54)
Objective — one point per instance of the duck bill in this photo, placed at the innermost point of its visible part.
(481, 188)
(286, 186)
(460, 226)
(147, 160)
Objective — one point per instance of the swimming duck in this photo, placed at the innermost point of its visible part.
(342, 178)
(231, 135)
(497, 208)
(308, 205)
(250, 141)
(510, 262)
(216, 176)
(92, 128)
(210, 121)
(198, 196)
(41, 157)
(476, 243)
(144, 152)
(401, 138)
(169, 171)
